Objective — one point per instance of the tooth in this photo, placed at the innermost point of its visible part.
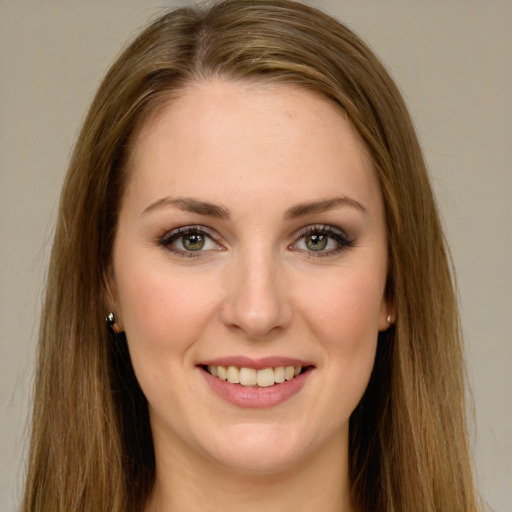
(251, 377)
(233, 375)
(223, 372)
(279, 374)
(265, 377)
(247, 376)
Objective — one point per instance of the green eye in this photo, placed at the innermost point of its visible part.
(321, 240)
(316, 242)
(190, 241)
(193, 241)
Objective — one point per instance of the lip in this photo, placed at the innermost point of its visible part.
(255, 397)
(256, 364)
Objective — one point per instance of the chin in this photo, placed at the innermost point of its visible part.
(259, 449)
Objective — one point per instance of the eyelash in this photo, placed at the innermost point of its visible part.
(336, 234)
(178, 233)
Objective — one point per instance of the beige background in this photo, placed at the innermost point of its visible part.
(453, 61)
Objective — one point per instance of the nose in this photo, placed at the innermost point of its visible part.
(256, 302)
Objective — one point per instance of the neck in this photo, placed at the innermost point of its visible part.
(188, 482)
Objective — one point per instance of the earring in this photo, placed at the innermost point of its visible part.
(111, 320)
(389, 318)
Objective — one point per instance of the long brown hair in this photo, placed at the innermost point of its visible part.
(91, 446)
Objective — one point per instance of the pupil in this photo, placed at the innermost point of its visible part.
(193, 242)
(316, 242)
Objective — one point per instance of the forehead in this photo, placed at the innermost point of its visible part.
(220, 138)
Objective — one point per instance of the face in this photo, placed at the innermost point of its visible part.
(249, 270)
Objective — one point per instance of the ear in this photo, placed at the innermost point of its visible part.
(110, 299)
(387, 315)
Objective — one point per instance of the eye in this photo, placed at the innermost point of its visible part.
(188, 240)
(323, 240)
(193, 241)
(317, 242)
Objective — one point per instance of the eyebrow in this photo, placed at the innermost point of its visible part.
(324, 205)
(190, 204)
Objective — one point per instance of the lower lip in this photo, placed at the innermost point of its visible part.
(256, 397)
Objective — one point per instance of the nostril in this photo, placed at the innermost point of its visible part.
(256, 320)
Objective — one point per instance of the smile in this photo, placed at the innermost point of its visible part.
(256, 383)
(251, 377)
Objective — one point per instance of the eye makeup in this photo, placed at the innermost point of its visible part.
(190, 241)
(321, 240)
(316, 240)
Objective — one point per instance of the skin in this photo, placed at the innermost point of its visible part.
(255, 289)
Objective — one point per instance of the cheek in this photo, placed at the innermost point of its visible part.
(345, 319)
(164, 316)
(163, 309)
(346, 308)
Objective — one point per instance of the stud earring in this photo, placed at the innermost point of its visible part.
(111, 319)
(389, 318)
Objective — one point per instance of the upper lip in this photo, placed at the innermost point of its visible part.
(257, 364)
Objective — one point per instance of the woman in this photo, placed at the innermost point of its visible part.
(248, 206)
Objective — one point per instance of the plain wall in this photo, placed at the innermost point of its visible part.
(451, 58)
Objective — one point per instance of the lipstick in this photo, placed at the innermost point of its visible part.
(278, 379)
